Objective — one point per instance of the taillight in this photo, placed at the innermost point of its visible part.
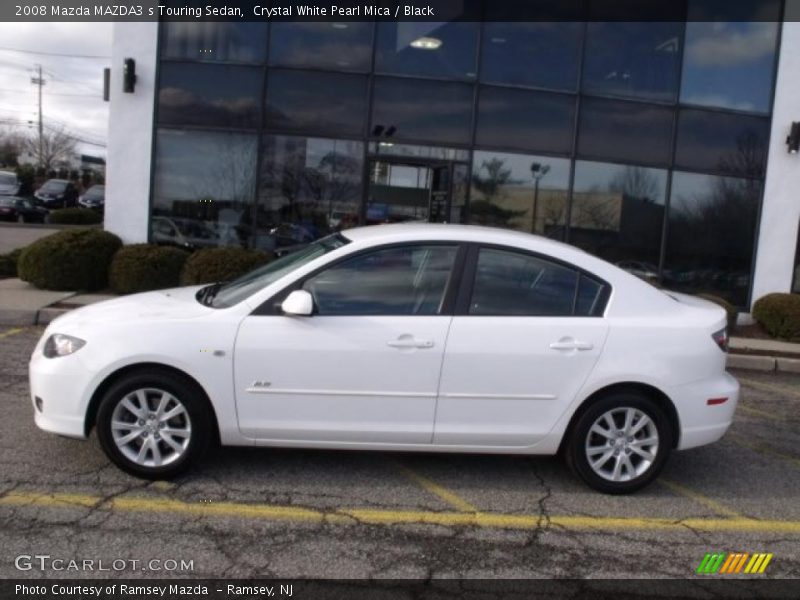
(721, 338)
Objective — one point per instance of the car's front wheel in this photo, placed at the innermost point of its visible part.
(620, 443)
(154, 425)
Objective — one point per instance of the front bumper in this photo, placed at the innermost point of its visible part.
(700, 422)
(62, 385)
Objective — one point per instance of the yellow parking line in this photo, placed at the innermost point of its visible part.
(768, 387)
(717, 507)
(434, 488)
(765, 450)
(383, 517)
(11, 332)
(758, 413)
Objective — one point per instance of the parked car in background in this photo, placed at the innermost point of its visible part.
(9, 184)
(186, 233)
(94, 198)
(445, 338)
(57, 193)
(644, 270)
(21, 210)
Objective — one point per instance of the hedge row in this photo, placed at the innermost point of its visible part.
(92, 259)
(779, 315)
(74, 216)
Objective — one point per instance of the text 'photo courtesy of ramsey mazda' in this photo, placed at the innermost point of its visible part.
(407, 337)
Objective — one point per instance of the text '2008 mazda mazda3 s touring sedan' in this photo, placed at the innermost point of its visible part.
(438, 338)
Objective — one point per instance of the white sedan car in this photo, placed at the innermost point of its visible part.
(433, 338)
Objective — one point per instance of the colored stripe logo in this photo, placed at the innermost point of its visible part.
(733, 563)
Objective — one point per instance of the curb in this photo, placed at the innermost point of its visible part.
(753, 362)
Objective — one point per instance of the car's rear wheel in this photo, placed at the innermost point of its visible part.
(154, 425)
(620, 443)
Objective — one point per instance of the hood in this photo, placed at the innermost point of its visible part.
(163, 305)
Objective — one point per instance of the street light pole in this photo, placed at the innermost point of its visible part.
(538, 170)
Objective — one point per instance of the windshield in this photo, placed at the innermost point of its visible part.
(7, 201)
(8, 179)
(239, 289)
(95, 192)
(54, 186)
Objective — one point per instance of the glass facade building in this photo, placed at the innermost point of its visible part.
(643, 143)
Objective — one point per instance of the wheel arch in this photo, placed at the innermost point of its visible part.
(645, 389)
(147, 367)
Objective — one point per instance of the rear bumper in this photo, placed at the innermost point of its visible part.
(700, 422)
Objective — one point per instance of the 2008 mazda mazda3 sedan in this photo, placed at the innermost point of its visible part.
(419, 337)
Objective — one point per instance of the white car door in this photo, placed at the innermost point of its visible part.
(365, 367)
(523, 341)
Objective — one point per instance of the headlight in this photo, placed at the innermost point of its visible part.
(60, 344)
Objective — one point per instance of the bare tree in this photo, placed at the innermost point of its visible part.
(56, 146)
(635, 182)
(11, 146)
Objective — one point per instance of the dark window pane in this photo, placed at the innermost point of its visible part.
(308, 188)
(730, 53)
(509, 283)
(408, 280)
(542, 55)
(427, 49)
(216, 95)
(507, 189)
(590, 300)
(618, 214)
(639, 60)
(214, 40)
(203, 188)
(625, 131)
(337, 46)
(421, 110)
(727, 143)
(518, 119)
(316, 102)
(712, 224)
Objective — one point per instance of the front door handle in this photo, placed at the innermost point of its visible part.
(571, 344)
(406, 341)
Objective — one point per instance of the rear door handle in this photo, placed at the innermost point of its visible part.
(407, 341)
(570, 344)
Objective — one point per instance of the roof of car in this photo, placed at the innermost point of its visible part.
(449, 231)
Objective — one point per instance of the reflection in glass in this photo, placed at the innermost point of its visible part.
(214, 40)
(555, 46)
(320, 102)
(409, 109)
(727, 143)
(427, 49)
(712, 223)
(625, 131)
(730, 53)
(523, 120)
(509, 189)
(399, 192)
(638, 60)
(338, 46)
(414, 151)
(308, 188)
(203, 188)
(618, 214)
(214, 95)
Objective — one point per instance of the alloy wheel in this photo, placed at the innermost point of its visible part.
(622, 444)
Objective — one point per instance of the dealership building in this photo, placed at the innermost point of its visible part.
(665, 147)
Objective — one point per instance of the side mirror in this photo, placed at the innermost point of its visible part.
(299, 303)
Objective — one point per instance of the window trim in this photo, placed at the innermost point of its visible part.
(471, 268)
(272, 305)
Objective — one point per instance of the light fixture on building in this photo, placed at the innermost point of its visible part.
(426, 43)
(339, 25)
(793, 141)
(129, 75)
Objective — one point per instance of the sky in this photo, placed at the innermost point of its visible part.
(73, 92)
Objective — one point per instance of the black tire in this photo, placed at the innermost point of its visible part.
(181, 388)
(576, 454)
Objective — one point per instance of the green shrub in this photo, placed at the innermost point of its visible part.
(221, 264)
(74, 216)
(730, 309)
(74, 259)
(779, 315)
(143, 267)
(8, 263)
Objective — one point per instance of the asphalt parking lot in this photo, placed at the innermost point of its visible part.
(281, 513)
